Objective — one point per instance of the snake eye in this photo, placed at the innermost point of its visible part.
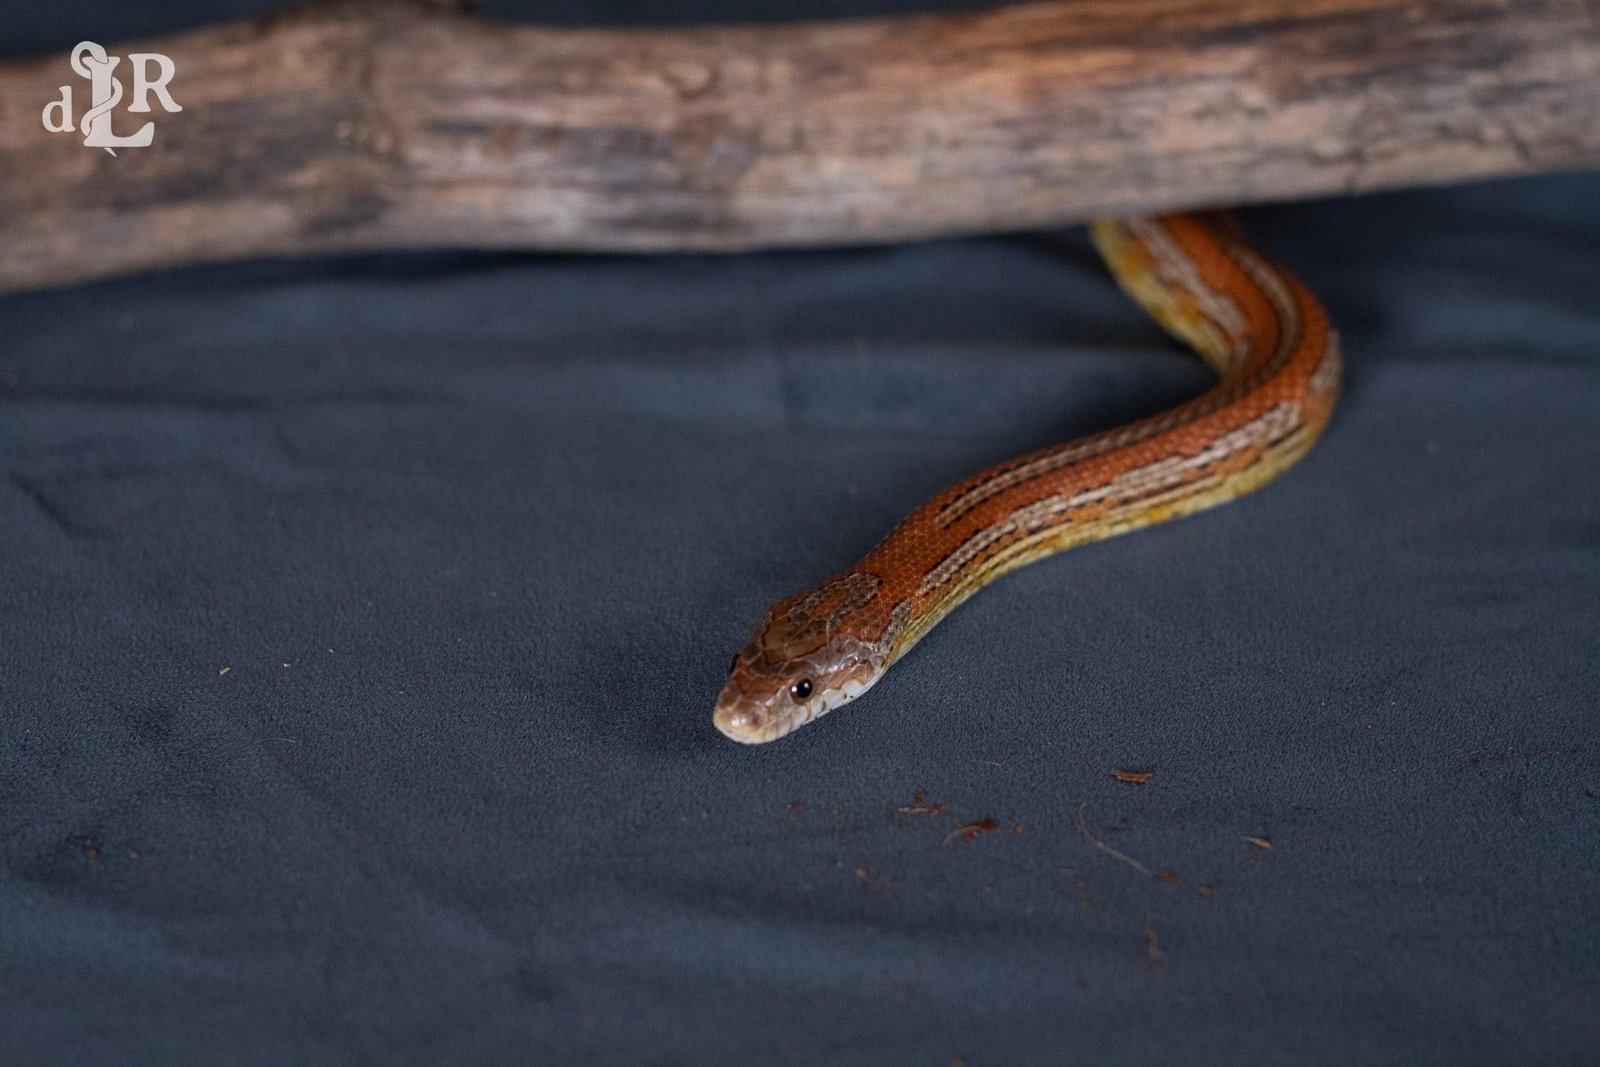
(801, 689)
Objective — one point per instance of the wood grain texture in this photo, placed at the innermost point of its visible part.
(372, 125)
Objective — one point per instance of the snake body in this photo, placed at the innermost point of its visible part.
(1278, 363)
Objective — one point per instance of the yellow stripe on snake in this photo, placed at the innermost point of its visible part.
(1256, 325)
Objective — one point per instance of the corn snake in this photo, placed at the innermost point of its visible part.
(1278, 366)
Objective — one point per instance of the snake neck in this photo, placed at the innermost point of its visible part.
(1278, 368)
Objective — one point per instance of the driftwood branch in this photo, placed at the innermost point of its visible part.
(365, 125)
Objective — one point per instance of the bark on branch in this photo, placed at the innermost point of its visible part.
(366, 125)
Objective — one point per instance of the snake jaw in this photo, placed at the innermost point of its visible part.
(754, 718)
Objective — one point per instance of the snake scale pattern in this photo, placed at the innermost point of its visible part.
(1278, 366)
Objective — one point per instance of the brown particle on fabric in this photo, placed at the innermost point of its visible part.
(971, 831)
(919, 806)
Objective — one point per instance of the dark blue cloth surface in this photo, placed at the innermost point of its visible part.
(360, 622)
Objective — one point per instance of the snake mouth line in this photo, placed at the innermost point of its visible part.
(733, 722)
(735, 726)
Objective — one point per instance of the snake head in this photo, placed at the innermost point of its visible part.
(798, 666)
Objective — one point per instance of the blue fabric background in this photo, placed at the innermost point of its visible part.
(473, 536)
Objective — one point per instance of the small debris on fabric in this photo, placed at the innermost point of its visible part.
(1081, 884)
(872, 878)
(919, 806)
(1154, 958)
(1168, 876)
(971, 831)
(1132, 777)
(1207, 890)
(1260, 842)
(1083, 828)
(224, 670)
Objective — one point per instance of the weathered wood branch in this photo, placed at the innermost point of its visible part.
(365, 125)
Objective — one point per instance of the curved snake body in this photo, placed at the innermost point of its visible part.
(1278, 363)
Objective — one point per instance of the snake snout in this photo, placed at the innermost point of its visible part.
(740, 722)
